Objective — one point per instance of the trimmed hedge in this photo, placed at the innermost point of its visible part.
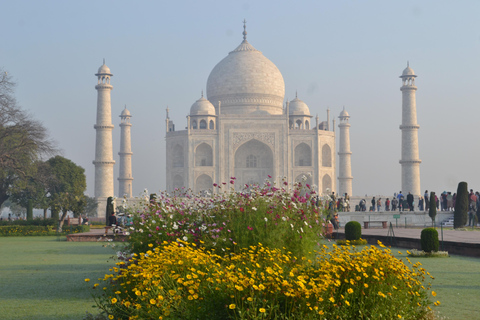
(353, 230)
(34, 222)
(429, 240)
(18, 230)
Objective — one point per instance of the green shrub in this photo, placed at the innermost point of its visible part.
(109, 209)
(31, 230)
(34, 222)
(353, 230)
(30, 210)
(460, 216)
(429, 239)
(432, 209)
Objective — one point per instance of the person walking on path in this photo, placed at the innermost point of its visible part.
(373, 204)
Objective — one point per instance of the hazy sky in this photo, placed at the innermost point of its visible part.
(334, 53)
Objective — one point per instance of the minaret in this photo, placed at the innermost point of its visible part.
(103, 147)
(344, 156)
(409, 161)
(125, 175)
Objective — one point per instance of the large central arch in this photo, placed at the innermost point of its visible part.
(253, 163)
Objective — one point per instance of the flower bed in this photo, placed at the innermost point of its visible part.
(29, 230)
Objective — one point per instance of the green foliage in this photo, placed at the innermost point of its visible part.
(30, 210)
(432, 208)
(429, 240)
(31, 230)
(359, 242)
(33, 222)
(353, 230)
(460, 216)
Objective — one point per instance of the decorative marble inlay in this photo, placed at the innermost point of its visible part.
(266, 137)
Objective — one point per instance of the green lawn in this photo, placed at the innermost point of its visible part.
(43, 278)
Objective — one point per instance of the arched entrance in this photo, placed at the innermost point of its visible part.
(253, 163)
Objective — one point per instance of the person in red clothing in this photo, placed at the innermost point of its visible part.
(387, 204)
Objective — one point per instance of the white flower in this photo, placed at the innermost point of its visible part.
(305, 223)
(301, 229)
(284, 219)
(266, 219)
(175, 227)
(185, 238)
(254, 209)
(291, 225)
(141, 230)
(153, 221)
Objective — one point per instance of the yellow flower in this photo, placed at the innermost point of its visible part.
(399, 316)
(153, 301)
(365, 285)
(437, 303)
(86, 280)
(262, 310)
(320, 312)
(250, 299)
(434, 293)
(110, 317)
(350, 290)
(332, 299)
(114, 300)
(232, 306)
(347, 303)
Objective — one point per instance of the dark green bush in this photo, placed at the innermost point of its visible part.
(460, 215)
(32, 230)
(34, 222)
(109, 210)
(432, 209)
(353, 230)
(429, 239)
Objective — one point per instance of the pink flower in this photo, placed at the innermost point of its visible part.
(249, 228)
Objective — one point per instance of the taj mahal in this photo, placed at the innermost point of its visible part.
(245, 128)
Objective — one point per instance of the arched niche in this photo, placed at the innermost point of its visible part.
(253, 163)
(307, 125)
(326, 183)
(203, 155)
(326, 156)
(212, 125)
(203, 124)
(194, 124)
(203, 183)
(178, 156)
(303, 155)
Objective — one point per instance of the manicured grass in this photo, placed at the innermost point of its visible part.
(43, 278)
(457, 284)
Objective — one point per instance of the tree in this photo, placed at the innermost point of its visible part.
(67, 188)
(109, 209)
(23, 140)
(91, 207)
(460, 216)
(432, 208)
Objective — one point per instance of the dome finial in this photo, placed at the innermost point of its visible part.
(408, 63)
(202, 93)
(244, 29)
(296, 94)
(103, 60)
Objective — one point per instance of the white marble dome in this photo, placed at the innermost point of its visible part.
(202, 107)
(246, 81)
(125, 113)
(408, 72)
(104, 70)
(344, 114)
(298, 107)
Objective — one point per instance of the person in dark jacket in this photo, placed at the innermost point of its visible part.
(112, 220)
(410, 201)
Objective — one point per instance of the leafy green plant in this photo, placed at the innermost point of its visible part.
(353, 230)
(432, 208)
(429, 240)
(460, 216)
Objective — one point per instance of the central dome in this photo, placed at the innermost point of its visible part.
(245, 81)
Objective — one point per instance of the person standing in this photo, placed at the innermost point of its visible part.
(373, 204)
(387, 205)
(394, 204)
(410, 201)
(379, 204)
(425, 198)
(420, 203)
(472, 208)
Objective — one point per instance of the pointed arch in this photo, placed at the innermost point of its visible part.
(303, 155)
(212, 125)
(203, 155)
(326, 156)
(194, 124)
(326, 183)
(253, 163)
(203, 124)
(177, 182)
(203, 183)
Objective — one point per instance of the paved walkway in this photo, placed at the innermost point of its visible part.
(470, 236)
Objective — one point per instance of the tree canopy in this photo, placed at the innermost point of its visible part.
(23, 141)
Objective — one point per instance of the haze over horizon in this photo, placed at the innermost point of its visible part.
(333, 53)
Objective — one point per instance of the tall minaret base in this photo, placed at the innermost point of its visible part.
(410, 161)
(125, 177)
(103, 147)
(345, 178)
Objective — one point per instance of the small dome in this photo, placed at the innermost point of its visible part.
(202, 107)
(125, 113)
(104, 70)
(298, 107)
(408, 72)
(344, 114)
